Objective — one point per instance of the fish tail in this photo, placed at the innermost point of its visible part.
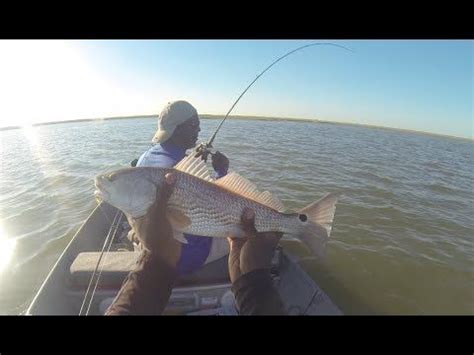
(315, 223)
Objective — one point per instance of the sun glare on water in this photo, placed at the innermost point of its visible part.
(30, 134)
(7, 248)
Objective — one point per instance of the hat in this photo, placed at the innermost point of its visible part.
(174, 114)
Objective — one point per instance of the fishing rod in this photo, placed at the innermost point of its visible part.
(203, 148)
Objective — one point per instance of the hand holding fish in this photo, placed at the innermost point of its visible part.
(252, 252)
(154, 230)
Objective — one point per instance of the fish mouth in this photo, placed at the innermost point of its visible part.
(102, 195)
(101, 192)
(98, 195)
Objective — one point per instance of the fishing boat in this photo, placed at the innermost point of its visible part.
(205, 292)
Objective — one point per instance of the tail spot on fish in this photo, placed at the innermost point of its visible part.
(303, 217)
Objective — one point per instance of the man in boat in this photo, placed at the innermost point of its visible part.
(147, 289)
(178, 130)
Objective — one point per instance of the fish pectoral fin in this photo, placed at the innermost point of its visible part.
(177, 219)
(179, 236)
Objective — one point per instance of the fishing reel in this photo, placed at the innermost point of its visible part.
(203, 150)
(220, 163)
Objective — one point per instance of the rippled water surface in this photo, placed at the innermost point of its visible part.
(402, 241)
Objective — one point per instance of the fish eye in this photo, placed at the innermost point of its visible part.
(303, 217)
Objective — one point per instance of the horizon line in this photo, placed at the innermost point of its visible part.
(261, 118)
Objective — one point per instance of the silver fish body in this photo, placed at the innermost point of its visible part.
(199, 205)
(216, 211)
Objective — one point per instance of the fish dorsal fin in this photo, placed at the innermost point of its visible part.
(271, 201)
(194, 166)
(240, 185)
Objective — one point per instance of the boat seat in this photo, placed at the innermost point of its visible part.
(117, 265)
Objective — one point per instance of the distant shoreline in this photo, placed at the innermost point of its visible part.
(253, 118)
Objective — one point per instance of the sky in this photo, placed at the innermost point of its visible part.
(410, 84)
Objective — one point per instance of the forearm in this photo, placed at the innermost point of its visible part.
(146, 290)
(255, 294)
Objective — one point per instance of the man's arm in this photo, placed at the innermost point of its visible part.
(147, 289)
(249, 269)
(255, 294)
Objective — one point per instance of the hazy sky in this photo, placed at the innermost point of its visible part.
(420, 85)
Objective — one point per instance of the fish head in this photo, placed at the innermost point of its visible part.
(131, 190)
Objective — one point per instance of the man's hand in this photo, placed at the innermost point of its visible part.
(220, 163)
(154, 230)
(255, 251)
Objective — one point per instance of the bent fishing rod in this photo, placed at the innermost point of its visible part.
(204, 148)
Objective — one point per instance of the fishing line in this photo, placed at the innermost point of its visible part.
(107, 244)
(203, 147)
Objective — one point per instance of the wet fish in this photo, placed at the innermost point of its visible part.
(200, 205)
